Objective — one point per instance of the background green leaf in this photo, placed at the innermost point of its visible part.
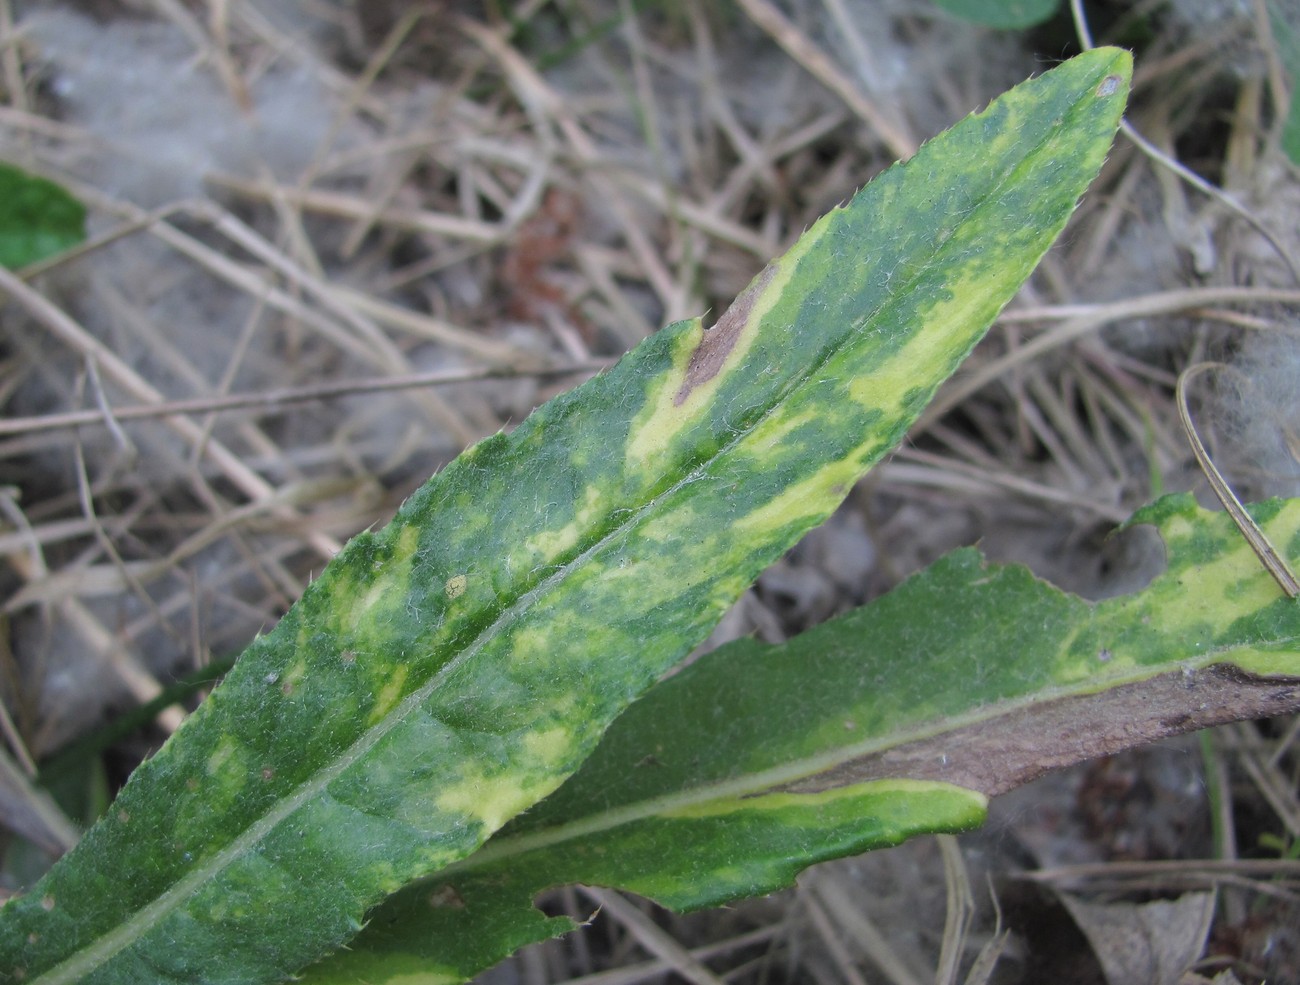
(453, 668)
(1009, 15)
(37, 218)
(1286, 35)
(759, 760)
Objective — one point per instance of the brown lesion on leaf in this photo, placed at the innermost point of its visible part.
(1009, 750)
(711, 354)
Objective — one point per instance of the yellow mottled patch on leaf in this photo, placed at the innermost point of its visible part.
(398, 969)
(534, 642)
(393, 577)
(496, 798)
(932, 344)
(379, 591)
(768, 436)
(408, 542)
(802, 500)
(225, 752)
(425, 978)
(553, 543)
(493, 800)
(390, 694)
(659, 420)
(549, 746)
(779, 801)
(289, 680)
(226, 774)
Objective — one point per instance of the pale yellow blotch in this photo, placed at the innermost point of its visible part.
(1206, 580)
(496, 799)
(529, 642)
(390, 694)
(378, 591)
(493, 801)
(455, 586)
(292, 677)
(394, 573)
(1265, 663)
(422, 978)
(408, 542)
(809, 498)
(553, 543)
(773, 430)
(778, 801)
(917, 362)
(550, 746)
(658, 420)
(227, 775)
(1178, 528)
(227, 749)
(387, 879)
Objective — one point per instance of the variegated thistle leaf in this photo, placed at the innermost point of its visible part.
(758, 760)
(452, 669)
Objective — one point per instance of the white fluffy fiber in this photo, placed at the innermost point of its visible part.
(157, 113)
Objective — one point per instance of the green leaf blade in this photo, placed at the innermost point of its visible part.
(453, 668)
(38, 218)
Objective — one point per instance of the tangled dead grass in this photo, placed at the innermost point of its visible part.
(333, 244)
